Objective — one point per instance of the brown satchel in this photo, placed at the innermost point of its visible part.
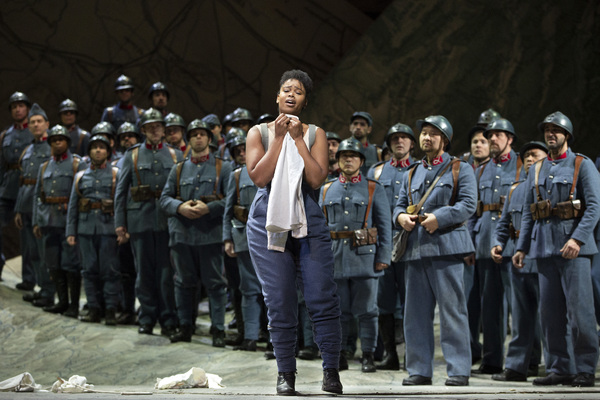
(366, 236)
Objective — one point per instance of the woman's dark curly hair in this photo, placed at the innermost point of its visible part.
(299, 75)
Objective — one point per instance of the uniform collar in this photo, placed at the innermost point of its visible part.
(182, 148)
(400, 163)
(436, 161)
(153, 147)
(93, 167)
(42, 140)
(62, 157)
(21, 126)
(125, 106)
(502, 159)
(354, 179)
(201, 159)
(73, 127)
(561, 157)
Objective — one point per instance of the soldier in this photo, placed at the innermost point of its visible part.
(140, 182)
(400, 139)
(494, 182)
(215, 127)
(159, 97)
(352, 204)
(434, 253)
(124, 110)
(52, 190)
(174, 130)
(67, 112)
(524, 350)
(13, 141)
(563, 194)
(90, 223)
(361, 124)
(105, 129)
(333, 143)
(128, 135)
(226, 123)
(31, 159)
(242, 118)
(480, 147)
(193, 200)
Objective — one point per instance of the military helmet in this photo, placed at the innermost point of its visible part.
(123, 82)
(441, 123)
(233, 133)
(236, 141)
(364, 115)
(58, 131)
(227, 119)
(474, 130)
(500, 124)
(151, 115)
(104, 128)
(241, 114)
(488, 116)
(100, 138)
(399, 128)
(128, 127)
(18, 97)
(350, 144)
(172, 119)
(67, 105)
(559, 119)
(333, 136)
(265, 118)
(532, 145)
(212, 120)
(158, 86)
(198, 124)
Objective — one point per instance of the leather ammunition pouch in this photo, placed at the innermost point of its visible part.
(541, 209)
(142, 193)
(107, 206)
(512, 232)
(210, 198)
(240, 213)
(568, 209)
(364, 237)
(84, 205)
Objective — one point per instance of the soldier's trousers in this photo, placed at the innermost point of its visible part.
(596, 285)
(154, 280)
(358, 298)
(251, 295)
(473, 296)
(31, 251)
(566, 300)
(57, 253)
(431, 280)
(391, 287)
(195, 264)
(100, 269)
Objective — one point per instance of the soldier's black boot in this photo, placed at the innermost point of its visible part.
(367, 362)
(93, 315)
(184, 334)
(387, 328)
(74, 283)
(286, 383)
(331, 381)
(59, 277)
(110, 317)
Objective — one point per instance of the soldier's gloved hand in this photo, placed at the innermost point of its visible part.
(188, 210)
(18, 221)
(430, 223)
(497, 254)
(229, 249)
(571, 249)
(518, 258)
(407, 221)
(380, 266)
(71, 240)
(37, 232)
(122, 235)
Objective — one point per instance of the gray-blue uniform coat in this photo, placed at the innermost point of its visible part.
(565, 285)
(493, 182)
(345, 206)
(33, 269)
(118, 114)
(372, 156)
(95, 232)
(56, 180)
(196, 245)
(392, 286)
(147, 223)
(80, 139)
(435, 267)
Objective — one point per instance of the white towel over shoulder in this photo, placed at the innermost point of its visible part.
(285, 210)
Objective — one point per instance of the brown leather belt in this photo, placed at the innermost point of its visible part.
(56, 200)
(96, 205)
(341, 234)
(492, 207)
(13, 166)
(27, 181)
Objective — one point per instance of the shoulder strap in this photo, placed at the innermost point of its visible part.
(218, 165)
(325, 189)
(455, 173)
(178, 170)
(377, 171)
(173, 154)
(264, 135)
(371, 191)
(538, 168)
(81, 136)
(115, 171)
(379, 153)
(237, 174)
(41, 182)
(77, 179)
(578, 160)
(312, 131)
(22, 154)
(519, 166)
(411, 172)
(428, 192)
(134, 157)
(76, 161)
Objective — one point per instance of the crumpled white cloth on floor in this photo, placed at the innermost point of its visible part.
(285, 210)
(194, 378)
(75, 384)
(21, 383)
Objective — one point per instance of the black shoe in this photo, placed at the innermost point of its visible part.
(486, 370)
(26, 286)
(554, 379)
(234, 340)
(184, 334)
(368, 364)
(416, 380)
(343, 361)
(457, 380)
(509, 375)
(145, 329)
(583, 380)
(286, 384)
(168, 331)
(72, 311)
(93, 315)
(308, 353)
(30, 297)
(56, 308)
(533, 370)
(126, 319)
(247, 345)
(43, 302)
(331, 381)
(218, 338)
(390, 362)
(110, 318)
